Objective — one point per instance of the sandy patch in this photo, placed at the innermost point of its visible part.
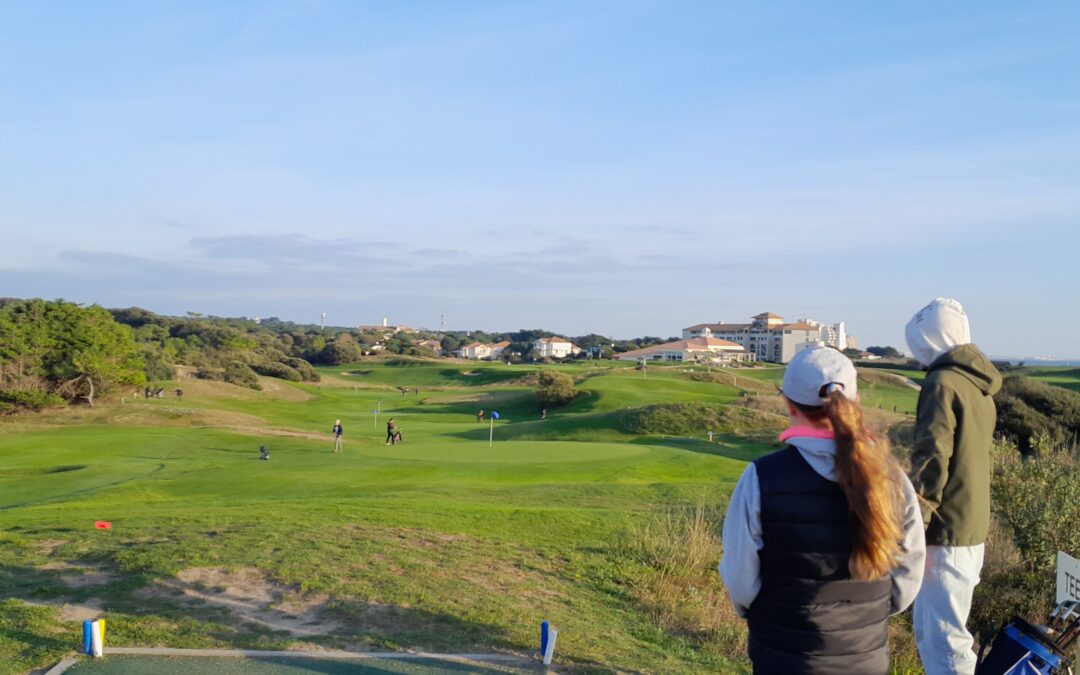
(250, 595)
(48, 546)
(88, 610)
(86, 578)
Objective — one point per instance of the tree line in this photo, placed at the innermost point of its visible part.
(56, 352)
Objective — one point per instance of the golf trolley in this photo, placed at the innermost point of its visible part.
(1023, 649)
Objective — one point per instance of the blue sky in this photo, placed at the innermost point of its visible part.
(625, 168)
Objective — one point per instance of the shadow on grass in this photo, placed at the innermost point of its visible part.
(117, 665)
(731, 447)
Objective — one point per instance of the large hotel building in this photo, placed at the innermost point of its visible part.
(769, 338)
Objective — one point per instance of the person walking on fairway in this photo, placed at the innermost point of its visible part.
(391, 428)
(338, 431)
(480, 417)
(823, 539)
(950, 468)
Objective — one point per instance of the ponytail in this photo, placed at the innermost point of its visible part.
(867, 473)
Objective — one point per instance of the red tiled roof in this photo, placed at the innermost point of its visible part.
(693, 344)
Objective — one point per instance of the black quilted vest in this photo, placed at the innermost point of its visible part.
(811, 616)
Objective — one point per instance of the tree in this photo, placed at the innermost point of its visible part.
(96, 353)
(555, 388)
(886, 352)
(79, 352)
(339, 352)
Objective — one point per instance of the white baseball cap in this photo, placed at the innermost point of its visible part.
(817, 371)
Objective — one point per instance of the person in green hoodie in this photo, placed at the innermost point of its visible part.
(951, 470)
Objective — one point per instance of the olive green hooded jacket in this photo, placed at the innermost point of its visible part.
(954, 429)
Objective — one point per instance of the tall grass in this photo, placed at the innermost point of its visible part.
(681, 589)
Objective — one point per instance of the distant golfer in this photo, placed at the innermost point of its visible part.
(391, 429)
(338, 431)
(179, 394)
(480, 417)
(264, 452)
(543, 413)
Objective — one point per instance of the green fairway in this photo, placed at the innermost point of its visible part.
(1062, 376)
(441, 543)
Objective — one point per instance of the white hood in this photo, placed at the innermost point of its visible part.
(937, 328)
(819, 453)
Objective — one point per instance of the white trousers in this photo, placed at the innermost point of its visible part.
(942, 608)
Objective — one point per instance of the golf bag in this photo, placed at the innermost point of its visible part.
(396, 438)
(1023, 649)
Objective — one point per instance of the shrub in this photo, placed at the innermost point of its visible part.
(207, 373)
(279, 370)
(1036, 507)
(1029, 409)
(554, 388)
(11, 401)
(306, 370)
(241, 374)
(1037, 501)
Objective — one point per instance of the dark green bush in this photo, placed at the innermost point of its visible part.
(11, 401)
(1037, 501)
(242, 375)
(279, 370)
(306, 370)
(207, 373)
(554, 388)
(1029, 410)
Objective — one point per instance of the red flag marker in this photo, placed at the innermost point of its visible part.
(102, 524)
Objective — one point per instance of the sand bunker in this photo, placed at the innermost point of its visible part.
(251, 595)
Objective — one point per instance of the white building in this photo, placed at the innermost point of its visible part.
(480, 350)
(696, 350)
(554, 348)
(770, 339)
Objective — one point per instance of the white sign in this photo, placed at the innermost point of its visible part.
(1068, 578)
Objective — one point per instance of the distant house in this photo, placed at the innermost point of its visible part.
(480, 350)
(554, 348)
(695, 350)
(433, 345)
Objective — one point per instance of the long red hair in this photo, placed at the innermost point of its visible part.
(869, 476)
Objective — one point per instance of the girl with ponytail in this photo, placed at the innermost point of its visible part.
(823, 540)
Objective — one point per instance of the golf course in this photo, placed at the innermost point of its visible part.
(601, 518)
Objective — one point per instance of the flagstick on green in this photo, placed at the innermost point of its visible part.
(491, 429)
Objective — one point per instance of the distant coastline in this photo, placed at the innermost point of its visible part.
(1028, 361)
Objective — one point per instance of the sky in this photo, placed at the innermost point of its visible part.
(624, 168)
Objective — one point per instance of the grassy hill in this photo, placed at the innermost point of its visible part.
(439, 543)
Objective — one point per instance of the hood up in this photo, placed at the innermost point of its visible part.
(935, 329)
